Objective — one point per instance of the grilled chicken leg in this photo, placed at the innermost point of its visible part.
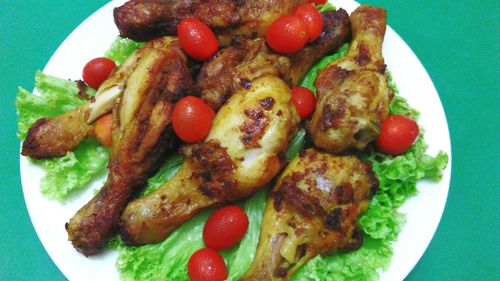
(353, 91)
(54, 136)
(313, 209)
(242, 153)
(141, 135)
(233, 68)
(143, 20)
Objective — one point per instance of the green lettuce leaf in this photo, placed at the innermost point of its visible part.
(121, 48)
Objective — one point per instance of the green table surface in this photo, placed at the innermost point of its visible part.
(458, 42)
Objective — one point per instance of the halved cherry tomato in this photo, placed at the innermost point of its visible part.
(397, 134)
(225, 227)
(287, 35)
(312, 18)
(317, 2)
(197, 39)
(97, 71)
(192, 119)
(206, 265)
(102, 129)
(304, 101)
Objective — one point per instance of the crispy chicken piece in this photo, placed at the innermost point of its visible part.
(242, 153)
(354, 94)
(143, 20)
(142, 134)
(313, 209)
(233, 68)
(54, 136)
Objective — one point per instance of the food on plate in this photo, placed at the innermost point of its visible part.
(311, 16)
(143, 20)
(54, 136)
(50, 137)
(287, 35)
(312, 209)
(196, 38)
(241, 154)
(304, 101)
(141, 135)
(230, 166)
(233, 68)
(397, 134)
(97, 71)
(206, 265)
(354, 93)
(225, 227)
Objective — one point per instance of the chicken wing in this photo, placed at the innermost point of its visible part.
(143, 20)
(313, 209)
(242, 153)
(142, 134)
(233, 68)
(354, 94)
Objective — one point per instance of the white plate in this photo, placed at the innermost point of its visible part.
(93, 37)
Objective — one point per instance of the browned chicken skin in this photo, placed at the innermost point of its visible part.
(313, 209)
(242, 153)
(233, 68)
(353, 91)
(143, 20)
(142, 133)
(54, 136)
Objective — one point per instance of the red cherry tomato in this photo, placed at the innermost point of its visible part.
(317, 2)
(287, 35)
(397, 134)
(312, 18)
(206, 265)
(97, 71)
(197, 39)
(103, 128)
(225, 228)
(192, 119)
(304, 101)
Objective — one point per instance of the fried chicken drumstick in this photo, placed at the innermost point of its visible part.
(142, 133)
(353, 91)
(54, 136)
(242, 153)
(234, 67)
(143, 20)
(313, 209)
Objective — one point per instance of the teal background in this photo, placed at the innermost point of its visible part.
(457, 42)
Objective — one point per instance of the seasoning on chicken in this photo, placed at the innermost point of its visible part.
(313, 209)
(54, 136)
(242, 153)
(142, 134)
(353, 92)
(143, 20)
(235, 67)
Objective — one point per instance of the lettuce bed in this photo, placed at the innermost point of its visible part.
(168, 260)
